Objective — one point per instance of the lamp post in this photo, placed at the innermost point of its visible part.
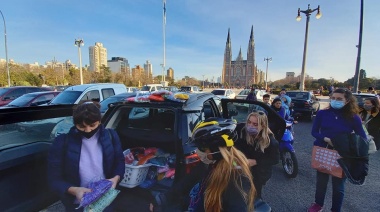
(203, 85)
(318, 16)
(79, 43)
(266, 75)
(6, 51)
(356, 78)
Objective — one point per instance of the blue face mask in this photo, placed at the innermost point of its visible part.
(252, 130)
(337, 104)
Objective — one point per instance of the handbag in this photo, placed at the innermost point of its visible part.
(325, 160)
(371, 143)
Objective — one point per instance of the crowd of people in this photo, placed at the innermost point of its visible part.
(236, 162)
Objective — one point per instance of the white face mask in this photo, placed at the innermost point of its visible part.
(204, 158)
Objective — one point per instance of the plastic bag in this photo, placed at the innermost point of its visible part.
(98, 188)
(105, 200)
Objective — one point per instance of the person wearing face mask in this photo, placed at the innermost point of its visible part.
(227, 184)
(258, 144)
(340, 118)
(371, 118)
(88, 152)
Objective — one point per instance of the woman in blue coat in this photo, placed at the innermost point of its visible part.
(341, 117)
(87, 153)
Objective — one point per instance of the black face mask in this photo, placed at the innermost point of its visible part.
(89, 134)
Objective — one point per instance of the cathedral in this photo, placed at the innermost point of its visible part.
(240, 72)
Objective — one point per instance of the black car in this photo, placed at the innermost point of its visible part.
(304, 104)
(33, 99)
(165, 125)
(116, 98)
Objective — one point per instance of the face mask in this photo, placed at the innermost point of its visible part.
(89, 134)
(252, 130)
(203, 157)
(367, 107)
(282, 95)
(337, 104)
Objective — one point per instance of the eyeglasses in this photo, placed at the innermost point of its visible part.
(258, 111)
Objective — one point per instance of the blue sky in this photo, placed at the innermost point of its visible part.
(196, 32)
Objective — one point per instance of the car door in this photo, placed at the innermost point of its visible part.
(240, 109)
(23, 156)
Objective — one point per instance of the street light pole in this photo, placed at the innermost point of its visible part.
(79, 43)
(6, 51)
(266, 75)
(318, 16)
(356, 79)
(203, 86)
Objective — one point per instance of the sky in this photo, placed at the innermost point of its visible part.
(196, 33)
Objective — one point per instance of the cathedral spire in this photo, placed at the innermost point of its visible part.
(240, 57)
(251, 39)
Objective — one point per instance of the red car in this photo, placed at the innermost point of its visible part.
(33, 99)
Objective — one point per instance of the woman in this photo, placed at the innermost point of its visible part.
(260, 147)
(371, 118)
(227, 185)
(87, 153)
(341, 117)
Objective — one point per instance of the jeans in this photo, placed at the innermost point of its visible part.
(338, 190)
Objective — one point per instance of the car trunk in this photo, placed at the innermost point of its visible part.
(151, 131)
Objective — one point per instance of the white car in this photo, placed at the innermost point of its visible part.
(224, 93)
(244, 93)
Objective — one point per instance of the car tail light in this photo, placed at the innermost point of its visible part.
(191, 161)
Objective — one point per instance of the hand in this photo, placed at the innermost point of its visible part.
(114, 181)
(78, 192)
(252, 162)
(295, 122)
(328, 140)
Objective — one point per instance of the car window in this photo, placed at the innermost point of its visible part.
(107, 92)
(91, 95)
(218, 92)
(43, 99)
(21, 101)
(244, 92)
(15, 93)
(240, 111)
(66, 97)
(145, 88)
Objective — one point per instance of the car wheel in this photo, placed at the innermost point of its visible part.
(310, 116)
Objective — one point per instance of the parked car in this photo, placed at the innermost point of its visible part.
(165, 125)
(190, 89)
(114, 99)
(244, 93)
(151, 88)
(304, 104)
(360, 97)
(95, 92)
(172, 89)
(224, 93)
(33, 99)
(132, 89)
(11, 93)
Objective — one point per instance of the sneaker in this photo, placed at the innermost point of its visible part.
(315, 208)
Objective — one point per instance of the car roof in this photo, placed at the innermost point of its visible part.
(85, 86)
(41, 92)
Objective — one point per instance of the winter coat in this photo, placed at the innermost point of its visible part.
(251, 96)
(64, 156)
(373, 126)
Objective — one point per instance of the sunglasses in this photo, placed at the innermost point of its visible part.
(259, 112)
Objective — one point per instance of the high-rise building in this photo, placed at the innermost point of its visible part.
(290, 75)
(170, 73)
(148, 68)
(239, 72)
(98, 57)
(137, 72)
(119, 65)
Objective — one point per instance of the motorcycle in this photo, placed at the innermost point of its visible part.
(287, 152)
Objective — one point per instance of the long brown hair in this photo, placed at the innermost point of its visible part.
(351, 108)
(261, 140)
(234, 166)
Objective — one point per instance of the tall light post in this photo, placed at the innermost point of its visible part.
(6, 51)
(318, 16)
(266, 75)
(356, 78)
(203, 78)
(79, 43)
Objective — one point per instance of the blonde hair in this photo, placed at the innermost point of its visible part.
(233, 166)
(261, 140)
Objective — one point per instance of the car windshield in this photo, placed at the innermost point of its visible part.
(145, 88)
(186, 88)
(244, 92)
(298, 95)
(109, 100)
(66, 97)
(21, 101)
(218, 92)
(3, 90)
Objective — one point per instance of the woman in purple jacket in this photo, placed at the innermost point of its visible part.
(89, 152)
(341, 117)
